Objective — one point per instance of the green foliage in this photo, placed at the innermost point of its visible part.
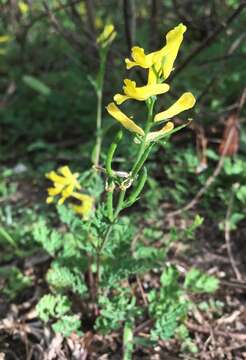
(57, 308)
(115, 309)
(169, 305)
(14, 282)
(36, 85)
(51, 241)
(63, 278)
(53, 306)
(198, 282)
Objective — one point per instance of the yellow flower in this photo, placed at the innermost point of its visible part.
(24, 8)
(125, 121)
(107, 36)
(164, 59)
(64, 183)
(185, 102)
(5, 38)
(129, 124)
(86, 204)
(161, 61)
(141, 93)
(156, 135)
(140, 59)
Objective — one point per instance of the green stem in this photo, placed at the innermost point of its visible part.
(99, 127)
(142, 149)
(120, 203)
(110, 208)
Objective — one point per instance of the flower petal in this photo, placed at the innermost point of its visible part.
(119, 99)
(185, 102)
(142, 93)
(49, 199)
(174, 39)
(125, 121)
(154, 135)
(140, 58)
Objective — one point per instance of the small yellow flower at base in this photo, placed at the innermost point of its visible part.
(125, 121)
(64, 183)
(85, 207)
(157, 135)
(185, 102)
(141, 93)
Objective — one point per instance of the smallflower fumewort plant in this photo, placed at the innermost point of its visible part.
(90, 259)
(124, 188)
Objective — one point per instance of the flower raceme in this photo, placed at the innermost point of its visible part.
(65, 184)
(159, 65)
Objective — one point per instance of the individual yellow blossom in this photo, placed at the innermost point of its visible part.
(107, 36)
(164, 59)
(24, 8)
(141, 93)
(159, 62)
(156, 135)
(130, 125)
(140, 58)
(64, 184)
(125, 121)
(185, 102)
(86, 204)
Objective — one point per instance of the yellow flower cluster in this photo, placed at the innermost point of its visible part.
(159, 65)
(65, 184)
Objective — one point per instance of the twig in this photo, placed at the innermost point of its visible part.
(207, 330)
(220, 28)
(144, 297)
(130, 22)
(70, 36)
(228, 237)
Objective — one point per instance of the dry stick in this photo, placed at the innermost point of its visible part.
(91, 17)
(70, 36)
(228, 238)
(153, 22)
(207, 330)
(209, 39)
(129, 11)
(144, 296)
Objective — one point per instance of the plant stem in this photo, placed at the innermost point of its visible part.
(120, 203)
(98, 127)
(98, 257)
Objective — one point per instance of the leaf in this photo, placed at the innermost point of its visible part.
(67, 325)
(52, 306)
(7, 238)
(36, 85)
(198, 282)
